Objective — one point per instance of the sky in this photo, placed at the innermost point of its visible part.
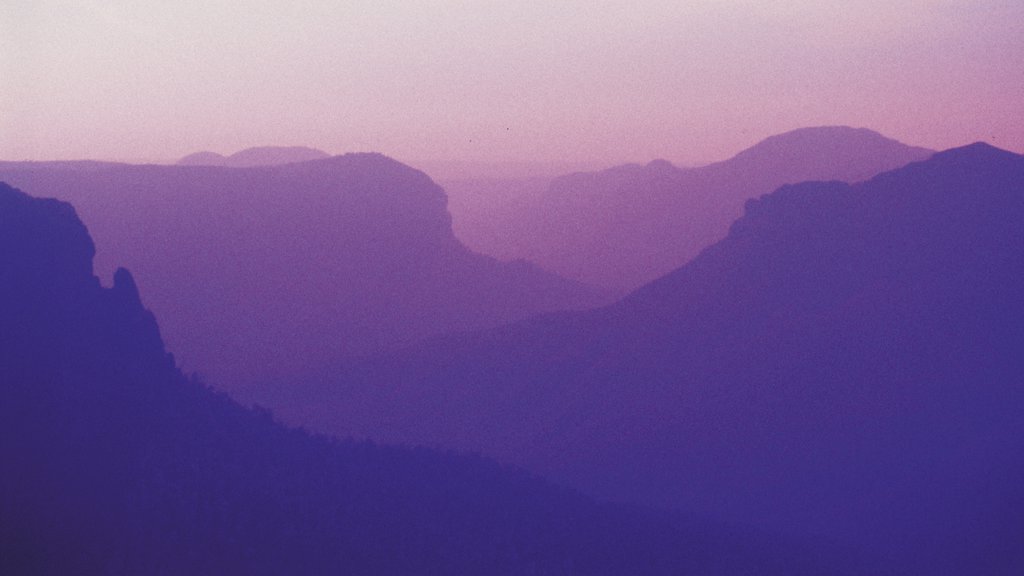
(592, 81)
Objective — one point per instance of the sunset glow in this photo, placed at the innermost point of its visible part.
(601, 82)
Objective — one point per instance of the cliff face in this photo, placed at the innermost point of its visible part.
(47, 288)
(60, 261)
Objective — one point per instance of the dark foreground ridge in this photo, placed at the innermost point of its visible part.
(114, 463)
(847, 362)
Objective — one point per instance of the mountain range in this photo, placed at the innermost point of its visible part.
(261, 274)
(841, 370)
(258, 156)
(846, 363)
(623, 227)
(116, 463)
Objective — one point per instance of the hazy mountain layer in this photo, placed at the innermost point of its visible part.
(846, 363)
(623, 227)
(260, 274)
(114, 463)
(259, 156)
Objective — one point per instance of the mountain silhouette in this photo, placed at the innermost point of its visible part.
(259, 156)
(846, 363)
(114, 462)
(262, 274)
(204, 158)
(623, 227)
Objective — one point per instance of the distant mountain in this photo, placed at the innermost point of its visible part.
(259, 156)
(204, 158)
(848, 362)
(264, 273)
(623, 227)
(115, 463)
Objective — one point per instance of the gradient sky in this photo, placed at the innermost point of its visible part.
(570, 81)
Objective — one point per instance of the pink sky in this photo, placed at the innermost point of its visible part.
(567, 82)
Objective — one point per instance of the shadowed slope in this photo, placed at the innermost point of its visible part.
(847, 362)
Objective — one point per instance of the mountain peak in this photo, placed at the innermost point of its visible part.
(823, 140)
(59, 260)
(124, 286)
(660, 164)
(975, 152)
(255, 156)
(204, 158)
(977, 183)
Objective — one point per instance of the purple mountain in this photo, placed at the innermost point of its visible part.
(259, 156)
(623, 227)
(846, 363)
(114, 462)
(264, 273)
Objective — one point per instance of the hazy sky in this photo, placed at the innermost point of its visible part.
(564, 81)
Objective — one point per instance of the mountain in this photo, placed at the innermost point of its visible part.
(846, 363)
(259, 156)
(204, 158)
(262, 274)
(116, 463)
(623, 227)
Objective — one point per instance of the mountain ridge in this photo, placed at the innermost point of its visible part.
(125, 465)
(265, 272)
(255, 156)
(627, 225)
(819, 353)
